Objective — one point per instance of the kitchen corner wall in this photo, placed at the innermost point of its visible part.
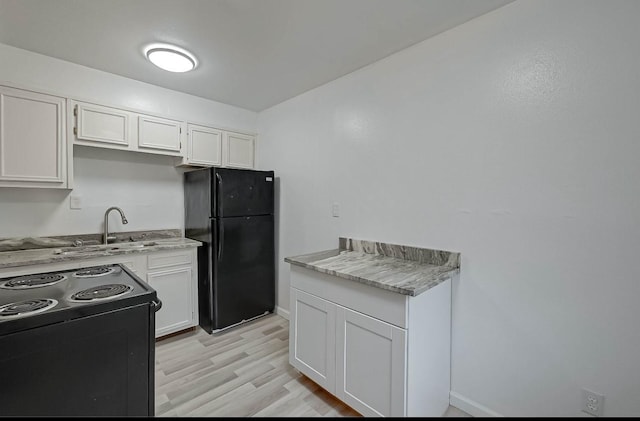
(147, 187)
(513, 139)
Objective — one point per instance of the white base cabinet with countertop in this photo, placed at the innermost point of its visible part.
(380, 352)
(172, 273)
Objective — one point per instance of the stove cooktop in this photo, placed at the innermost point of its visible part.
(34, 300)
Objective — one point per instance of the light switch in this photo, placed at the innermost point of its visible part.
(335, 209)
(75, 201)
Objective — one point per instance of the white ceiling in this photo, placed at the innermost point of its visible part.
(252, 53)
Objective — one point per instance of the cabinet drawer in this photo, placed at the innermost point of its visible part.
(384, 305)
(168, 259)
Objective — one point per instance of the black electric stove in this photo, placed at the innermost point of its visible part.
(77, 343)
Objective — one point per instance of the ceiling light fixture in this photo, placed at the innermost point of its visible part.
(170, 58)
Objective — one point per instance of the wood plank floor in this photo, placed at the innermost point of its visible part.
(239, 373)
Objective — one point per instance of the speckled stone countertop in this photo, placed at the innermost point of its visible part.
(402, 269)
(15, 252)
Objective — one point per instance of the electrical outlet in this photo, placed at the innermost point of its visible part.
(592, 403)
(75, 201)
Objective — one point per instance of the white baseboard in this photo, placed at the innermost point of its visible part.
(282, 312)
(471, 407)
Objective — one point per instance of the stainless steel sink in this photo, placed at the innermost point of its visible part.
(71, 251)
(75, 251)
(125, 246)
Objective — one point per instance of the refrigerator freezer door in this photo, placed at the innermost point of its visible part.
(242, 192)
(243, 261)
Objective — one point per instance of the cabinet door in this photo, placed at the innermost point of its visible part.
(204, 146)
(175, 290)
(312, 331)
(159, 133)
(32, 133)
(105, 125)
(239, 150)
(370, 364)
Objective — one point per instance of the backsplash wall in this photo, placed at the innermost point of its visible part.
(148, 188)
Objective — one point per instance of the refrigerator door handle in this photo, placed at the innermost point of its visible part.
(221, 241)
(219, 193)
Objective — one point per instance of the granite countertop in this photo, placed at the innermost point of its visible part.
(402, 269)
(60, 249)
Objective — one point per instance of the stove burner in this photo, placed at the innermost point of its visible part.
(32, 281)
(93, 272)
(101, 292)
(25, 308)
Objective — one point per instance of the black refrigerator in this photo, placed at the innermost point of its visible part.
(231, 212)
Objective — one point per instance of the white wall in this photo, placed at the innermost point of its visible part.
(512, 139)
(147, 187)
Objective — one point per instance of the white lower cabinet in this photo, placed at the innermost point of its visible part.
(381, 353)
(173, 274)
(370, 364)
(174, 286)
(312, 344)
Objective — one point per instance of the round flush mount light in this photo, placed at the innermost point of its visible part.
(170, 58)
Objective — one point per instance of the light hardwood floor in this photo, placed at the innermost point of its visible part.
(240, 373)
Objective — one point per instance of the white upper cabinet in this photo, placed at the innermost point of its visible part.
(239, 150)
(209, 147)
(159, 133)
(38, 132)
(32, 139)
(114, 128)
(96, 123)
(204, 146)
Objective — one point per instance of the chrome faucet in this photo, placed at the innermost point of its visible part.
(108, 237)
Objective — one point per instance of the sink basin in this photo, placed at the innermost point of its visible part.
(71, 251)
(131, 245)
(75, 251)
